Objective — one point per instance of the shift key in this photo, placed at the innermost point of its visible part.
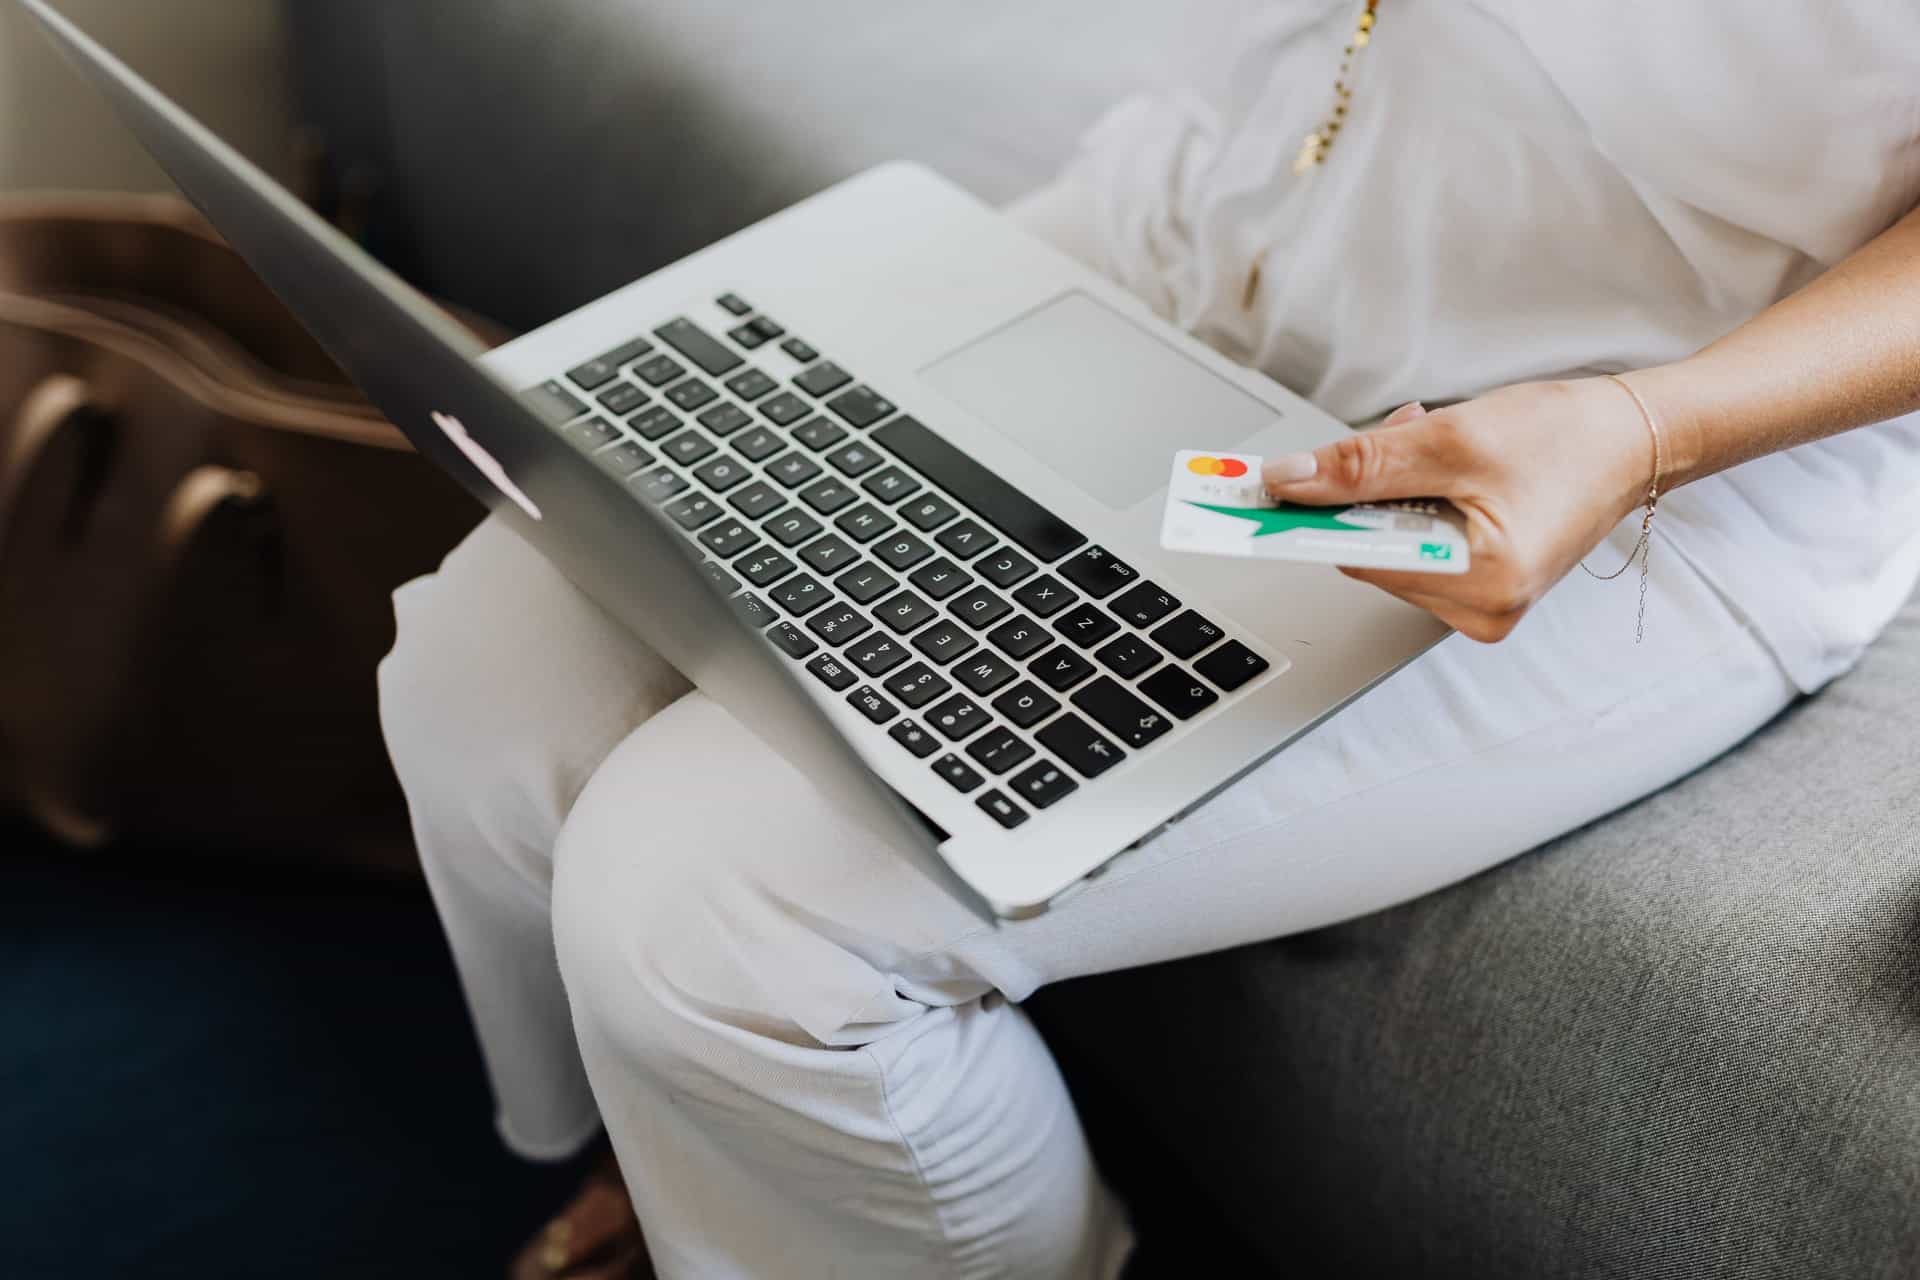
(1120, 713)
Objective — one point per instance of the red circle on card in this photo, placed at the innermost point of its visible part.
(1232, 467)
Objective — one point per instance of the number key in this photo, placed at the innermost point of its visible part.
(958, 717)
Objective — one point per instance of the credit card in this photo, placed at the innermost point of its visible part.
(1217, 506)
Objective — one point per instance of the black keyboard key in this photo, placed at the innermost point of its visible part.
(751, 610)
(750, 385)
(697, 345)
(958, 717)
(1096, 572)
(791, 640)
(985, 671)
(1043, 784)
(965, 539)
(918, 685)
(593, 375)
(623, 459)
(914, 738)
(999, 750)
(940, 578)
(944, 642)
(592, 433)
(758, 444)
(766, 327)
(904, 612)
(1004, 568)
(1186, 635)
(1060, 668)
(757, 500)
(1085, 749)
(691, 394)
(1044, 596)
(819, 433)
(823, 379)
(693, 511)
(654, 423)
(765, 567)
(1026, 704)
(840, 624)
(877, 654)
(659, 371)
(658, 486)
(724, 418)
(784, 409)
(1086, 626)
(1231, 665)
(723, 581)
(1042, 534)
(1002, 810)
(622, 398)
(979, 608)
(747, 336)
(722, 473)
(829, 495)
(1019, 636)
(832, 672)
(828, 555)
(958, 772)
(861, 407)
(1120, 713)
(1177, 691)
(1144, 604)
(891, 485)
(729, 538)
(855, 459)
(801, 596)
(902, 551)
(866, 583)
(1128, 656)
(734, 304)
(928, 512)
(801, 351)
(689, 447)
(866, 522)
(793, 469)
(553, 402)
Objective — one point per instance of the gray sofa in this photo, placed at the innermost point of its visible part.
(1684, 1041)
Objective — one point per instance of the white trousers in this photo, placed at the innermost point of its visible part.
(808, 1056)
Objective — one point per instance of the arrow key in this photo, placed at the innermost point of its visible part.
(1120, 713)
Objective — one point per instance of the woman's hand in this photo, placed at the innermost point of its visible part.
(1542, 471)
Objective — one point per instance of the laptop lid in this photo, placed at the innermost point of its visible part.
(419, 368)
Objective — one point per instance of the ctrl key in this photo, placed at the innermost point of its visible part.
(1002, 810)
(1043, 784)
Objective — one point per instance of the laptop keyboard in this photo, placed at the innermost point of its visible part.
(978, 631)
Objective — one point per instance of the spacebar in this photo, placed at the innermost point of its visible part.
(997, 502)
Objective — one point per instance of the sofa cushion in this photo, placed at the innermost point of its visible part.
(1684, 1040)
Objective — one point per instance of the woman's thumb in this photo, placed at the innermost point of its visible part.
(1389, 461)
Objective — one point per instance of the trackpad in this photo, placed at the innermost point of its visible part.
(1096, 397)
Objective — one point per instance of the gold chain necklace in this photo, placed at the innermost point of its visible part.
(1314, 147)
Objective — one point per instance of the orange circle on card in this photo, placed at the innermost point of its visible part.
(1232, 468)
(1205, 466)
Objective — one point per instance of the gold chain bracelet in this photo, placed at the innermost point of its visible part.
(1643, 549)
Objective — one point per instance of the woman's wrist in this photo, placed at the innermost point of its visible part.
(1682, 398)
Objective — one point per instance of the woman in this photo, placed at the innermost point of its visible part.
(808, 1059)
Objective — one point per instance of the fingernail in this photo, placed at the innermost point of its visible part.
(1289, 468)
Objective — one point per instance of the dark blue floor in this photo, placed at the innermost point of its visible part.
(232, 1070)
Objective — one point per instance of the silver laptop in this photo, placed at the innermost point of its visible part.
(883, 475)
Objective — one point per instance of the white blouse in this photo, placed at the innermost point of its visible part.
(1525, 190)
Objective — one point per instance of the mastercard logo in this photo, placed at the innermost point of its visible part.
(1231, 468)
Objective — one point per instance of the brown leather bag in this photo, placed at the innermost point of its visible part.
(201, 523)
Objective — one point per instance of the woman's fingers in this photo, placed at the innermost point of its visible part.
(1417, 590)
(1411, 455)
